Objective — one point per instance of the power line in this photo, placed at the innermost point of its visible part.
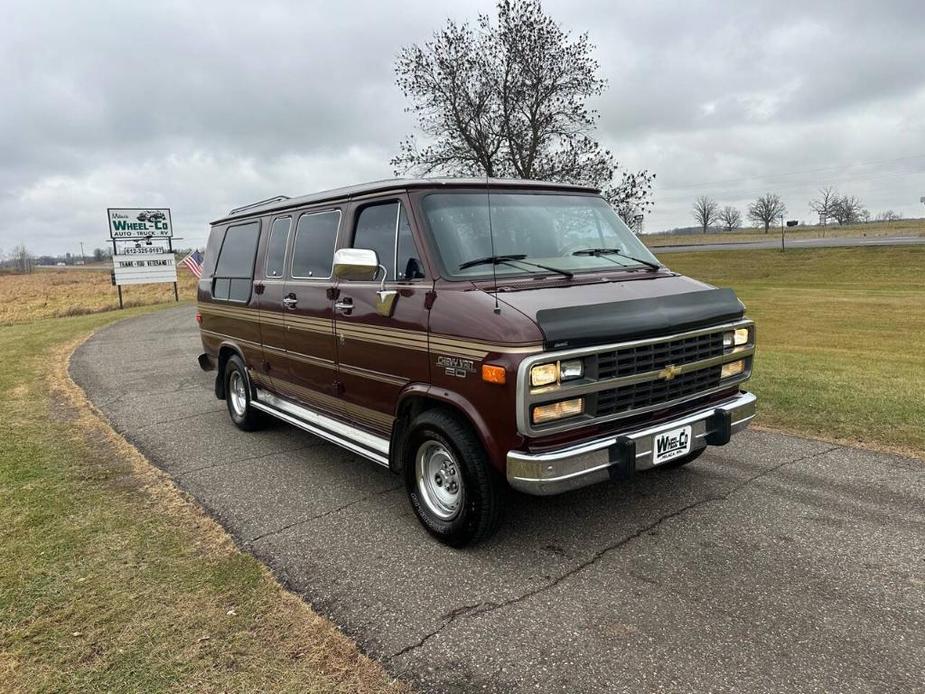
(790, 186)
(688, 186)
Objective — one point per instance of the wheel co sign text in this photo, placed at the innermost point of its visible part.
(139, 223)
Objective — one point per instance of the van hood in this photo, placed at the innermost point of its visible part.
(613, 311)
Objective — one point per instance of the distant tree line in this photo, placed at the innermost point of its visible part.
(763, 211)
(829, 205)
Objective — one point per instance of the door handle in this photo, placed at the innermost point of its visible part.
(345, 305)
(290, 301)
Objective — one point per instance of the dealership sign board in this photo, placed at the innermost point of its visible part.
(137, 266)
(139, 223)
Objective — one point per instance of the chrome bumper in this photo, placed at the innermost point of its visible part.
(618, 456)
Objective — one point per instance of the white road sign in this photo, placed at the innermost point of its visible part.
(139, 223)
(144, 268)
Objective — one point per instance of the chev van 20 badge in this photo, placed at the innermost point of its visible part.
(456, 366)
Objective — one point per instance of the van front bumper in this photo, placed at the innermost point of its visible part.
(618, 456)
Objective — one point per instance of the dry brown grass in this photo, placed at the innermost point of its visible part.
(112, 580)
(59, 292)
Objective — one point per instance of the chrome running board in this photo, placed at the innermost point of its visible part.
(361, 442)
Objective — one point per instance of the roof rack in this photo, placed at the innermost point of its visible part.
(278, 198)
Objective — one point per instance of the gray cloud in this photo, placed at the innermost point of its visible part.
(209, 105)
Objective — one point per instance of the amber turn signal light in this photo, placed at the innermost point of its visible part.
(494, 374)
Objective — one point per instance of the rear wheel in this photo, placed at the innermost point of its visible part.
(453, 489)
(238, 396)
(684, 460)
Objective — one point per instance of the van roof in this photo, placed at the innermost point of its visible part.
(282, 202)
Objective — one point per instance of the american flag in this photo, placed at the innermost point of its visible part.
(194, 262)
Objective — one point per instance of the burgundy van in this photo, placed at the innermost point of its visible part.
(471, 335)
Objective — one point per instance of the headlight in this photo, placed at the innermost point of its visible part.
(571, 369)
(558, 410)
(544, 374)
(735, 338)
(733, 368)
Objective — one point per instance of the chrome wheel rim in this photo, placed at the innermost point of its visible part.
(439, 480)
(238, 393)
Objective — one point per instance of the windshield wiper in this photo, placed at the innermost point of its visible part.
(510, 259)
(602, 252)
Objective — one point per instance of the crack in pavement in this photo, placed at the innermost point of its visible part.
(181, 419)
(248, 458)
(361, 499)
(487, 607)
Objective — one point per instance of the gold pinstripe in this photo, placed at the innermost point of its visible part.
(374, 375)
(229, 337)
(298, 356)
(370, 417)
(410, 339)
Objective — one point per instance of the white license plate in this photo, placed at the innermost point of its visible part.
(671, 444)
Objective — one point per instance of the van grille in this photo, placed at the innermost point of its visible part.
(649, 393)
(642, 358)
(624, 380)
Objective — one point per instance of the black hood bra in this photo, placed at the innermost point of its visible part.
(618, 321)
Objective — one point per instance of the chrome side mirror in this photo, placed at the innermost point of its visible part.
(356, 264)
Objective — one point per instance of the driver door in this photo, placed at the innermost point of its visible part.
(382, 345)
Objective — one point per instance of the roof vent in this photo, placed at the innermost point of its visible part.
(259, 203)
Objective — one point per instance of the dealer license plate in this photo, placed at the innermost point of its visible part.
(671, 444)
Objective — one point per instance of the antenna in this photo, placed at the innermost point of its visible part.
(491, 238)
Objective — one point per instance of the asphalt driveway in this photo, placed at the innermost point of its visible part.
(772, 564)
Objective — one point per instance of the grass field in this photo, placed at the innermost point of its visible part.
(109, 579)
(58, 292)
(841, 342)
(902, 227)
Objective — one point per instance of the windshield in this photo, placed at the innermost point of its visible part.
(543, 228)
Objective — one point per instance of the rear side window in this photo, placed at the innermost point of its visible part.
(313, 252)
(234, 269)
(276, 248)
(385, 229)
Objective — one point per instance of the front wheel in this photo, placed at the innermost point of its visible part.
(453, 489)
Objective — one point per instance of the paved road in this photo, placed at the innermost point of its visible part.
(773, 564)
(773, 241)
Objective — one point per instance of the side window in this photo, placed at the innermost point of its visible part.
(315, 237)
(385, 229)
(276, 247)
(376, 230)
(234, 269)
(408, 264)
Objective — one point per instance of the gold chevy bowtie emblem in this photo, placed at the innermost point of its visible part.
(669, 372)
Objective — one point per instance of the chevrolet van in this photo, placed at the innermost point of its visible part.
(472, 336)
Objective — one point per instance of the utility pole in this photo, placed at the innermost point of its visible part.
(782, 233)
(83, 258)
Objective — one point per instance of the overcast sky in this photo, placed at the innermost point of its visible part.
(206, 105)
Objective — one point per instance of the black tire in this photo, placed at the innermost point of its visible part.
(481, 492)
(684, 460)
(238, 400)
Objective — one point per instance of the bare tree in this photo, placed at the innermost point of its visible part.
(22, 259)
(848, 209)
(766, 209)
(705, 211)
(824, 205)
(508, 99)
(889, 216)
(730, 218)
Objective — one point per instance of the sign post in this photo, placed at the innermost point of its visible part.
(145, 255)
